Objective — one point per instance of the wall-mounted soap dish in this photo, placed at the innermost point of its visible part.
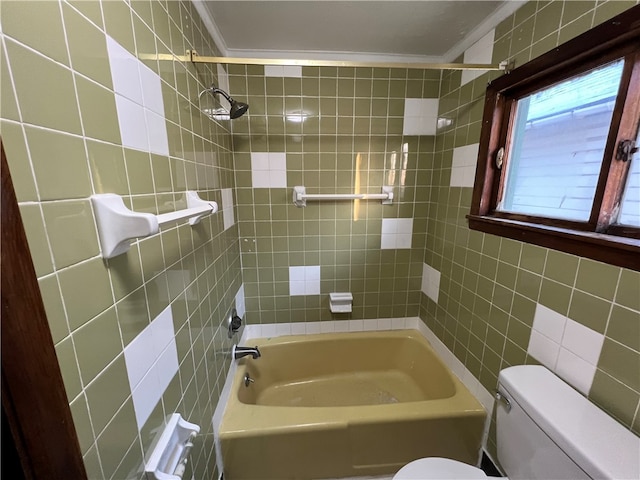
(169, 457)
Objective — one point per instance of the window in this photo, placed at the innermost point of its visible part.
(558, 164)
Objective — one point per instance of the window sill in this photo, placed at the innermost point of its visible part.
(619, 251)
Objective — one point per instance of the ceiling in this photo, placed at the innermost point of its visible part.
(419, 30)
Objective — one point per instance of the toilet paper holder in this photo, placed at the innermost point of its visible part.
(340, 302)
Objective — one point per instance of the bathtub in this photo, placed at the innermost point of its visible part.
(345, 405)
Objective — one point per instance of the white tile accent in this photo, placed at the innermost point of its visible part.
(157, 133)
(582, 341)
(396, 233)
(430, 282)
(240, 302)
(125, 72)
(139, 101)
(463, 167)
(549, 323)
(152, 361)
(228, 216)
(565, 346)
(575, 370)
(223, 78)
(293, 71)
(543, 349)
(479, 52)
(133, 124)
(304, 280)
(269, 170)
(420, 116)
(151, 90)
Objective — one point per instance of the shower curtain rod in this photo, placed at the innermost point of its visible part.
(192, 56)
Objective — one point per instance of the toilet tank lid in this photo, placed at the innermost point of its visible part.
(599, 445)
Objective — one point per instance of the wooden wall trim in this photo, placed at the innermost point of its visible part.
(33, 394)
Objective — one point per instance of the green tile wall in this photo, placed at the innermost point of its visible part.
(63, 144)
(490, 286)
(353, 134)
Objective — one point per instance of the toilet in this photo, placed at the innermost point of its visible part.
(545, 430)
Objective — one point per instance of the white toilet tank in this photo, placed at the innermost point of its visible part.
(551, 431)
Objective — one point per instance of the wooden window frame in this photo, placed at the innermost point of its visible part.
(596, 238)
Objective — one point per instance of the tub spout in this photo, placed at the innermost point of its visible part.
(239, 352)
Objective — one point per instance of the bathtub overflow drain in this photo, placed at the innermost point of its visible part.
(247, 380)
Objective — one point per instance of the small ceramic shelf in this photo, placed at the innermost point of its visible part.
(169, 457)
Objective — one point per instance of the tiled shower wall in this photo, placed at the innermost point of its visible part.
(493, 292)
(66, 138)
(332, 130)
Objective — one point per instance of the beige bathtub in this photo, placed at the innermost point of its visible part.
(344, 405)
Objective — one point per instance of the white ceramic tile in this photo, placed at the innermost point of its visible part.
(297, 274)
(166, 367)
(228, 217)
(411, 126)
(298, 328)
(125, 72)
(277, 161)
(133, 124)
(223, 78)
(292, 71)
(157, 133)
(312, 272)
(576, 371)
(582, 341)
(162, 330)
(145, 397)
(465, 156)
(389, 225)
(549, 323)
(403, 240)
(341, 326)
(259, 161)
(240, 302)
(283, 329)
(138, 358)
(429, 107)
(369, 325)
(425, 278)
(479, 52)
(384, 324)
(356, 325)
(428, 125)
(327, 326)
(388, 241)
(296, 288)
(277, 179)
(151, 90)
(312, 328)
(273, 71)
(312, 287)
(457, 177)
(469, 176)
(412, 107)
(398, 324)
(543, 349)
(404, 225)
(259, 179)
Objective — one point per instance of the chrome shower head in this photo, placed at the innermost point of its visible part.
(237, 108)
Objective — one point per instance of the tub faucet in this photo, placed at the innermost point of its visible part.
(239, 352)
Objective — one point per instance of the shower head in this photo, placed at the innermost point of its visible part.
(237, 108)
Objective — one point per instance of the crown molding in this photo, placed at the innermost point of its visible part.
(212, 28)
(492, 21)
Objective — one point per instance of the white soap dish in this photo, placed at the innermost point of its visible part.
(169, 457)
(340, 302)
